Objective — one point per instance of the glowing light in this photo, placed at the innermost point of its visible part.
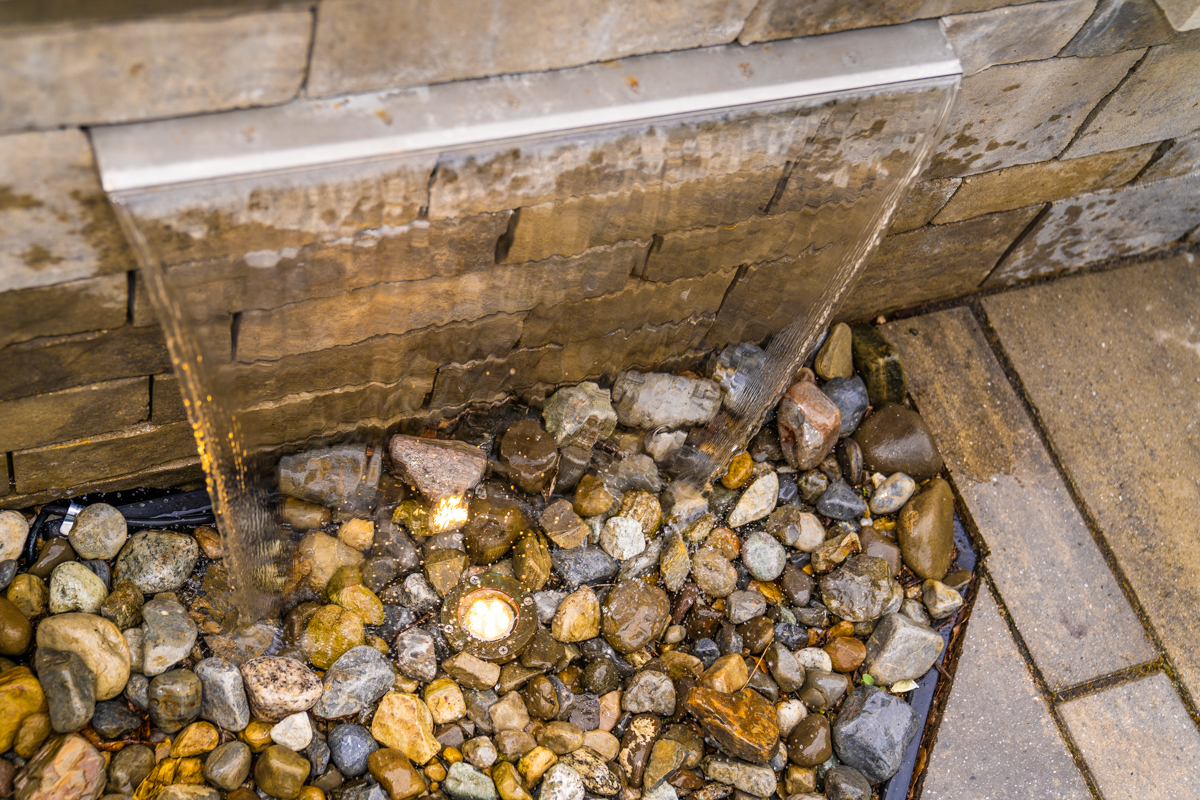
(448, 514)
(488, 618)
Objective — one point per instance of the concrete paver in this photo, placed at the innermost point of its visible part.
(1138, 741)
(1049, 571)
(997, 739)
(1111, 361)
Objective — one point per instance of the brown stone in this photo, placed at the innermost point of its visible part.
(529, 455)
(743, 723)
(922, 204)
(436, 467)
(633, 615)
(86, 305)
(925, 530)
(444, 569)
(897, 439)
(395, 773)
(67, 766)
(784, 19)
(70, 414)
(636, 744)
(563, 525)
(15, 630)
(493, 527)
(808, 423)
(846, 653)
(810, 743)
(591, 497)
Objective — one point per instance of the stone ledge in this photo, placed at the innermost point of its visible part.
(83, 411)
(87, 305)
(181, 473)
(783, 19)
(1030, 32)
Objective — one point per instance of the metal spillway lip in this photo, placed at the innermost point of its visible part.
(315, 133)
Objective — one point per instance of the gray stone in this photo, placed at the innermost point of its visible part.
(157, 561)
(841, 502)
(129, 767)
(228, 766)
(8, 570)
(749, 778)
(223, 701)
(915, 610)
(940, 599)
(901, 649)
(846, 783)
(861, 589)
(745, 606)
(112, 719)
(580, 415)
(342, 478)
(649, 691)
(417, 595)
(1118, 25)
(99, 532)
(850, 397)
(582, 565)
(137, 691)
(644, 563)
(14, 530)
(74, 587)
(622, 538)
(653, 399)
(438, 467)
(480, 752)
(69, 686)
(168, 635)
(174, 699)
(349, 747)
(355, 681)
(465, 782)
(1001, 35)
(872, 731)
(632, 473)
(561, 782)
(1182, 158)
(415, 655)
(892, 494)
(763, 556)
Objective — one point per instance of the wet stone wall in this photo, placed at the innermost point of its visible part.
(1068, 147)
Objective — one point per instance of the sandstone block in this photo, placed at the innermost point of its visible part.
(55, 223)
(1184, 15)
(73, 413)
(1107, 224)
(923, 202)
(784, 19)
(141, 68)
(167, 399)
(1118, 25)
(1008, 35)
(1029, 184)
(1182, 158)
(183, 472)
(1157, 102)
(361, 45)
(87, 305)
(1023, 113)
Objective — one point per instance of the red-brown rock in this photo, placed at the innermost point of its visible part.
(744, 723)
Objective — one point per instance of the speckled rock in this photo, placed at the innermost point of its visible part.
(580, 415)
(95, 640)
(415, 654)
(74, 587)
(66, 767)
(277, 687)
(597, 777)
(355, 681)
(99, 532)
(437, 467)
(168, 635)
(649, 692)
(622, 538)
(157, 561)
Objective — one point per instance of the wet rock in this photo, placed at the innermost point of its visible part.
(304, 516)
(896, 439)
(345, 477)
(841, 502)
(357, 533)
(808, 423)
(531, 561)
(194, 740)
(743, 723)
(224, 700)
(795, 528)
(330, 632)
(14, 530)
(892, 494)
(790, 712)
(822, 690)
(622, 538)
(810, 743)
(112, 719)
(750, 778)
(529, 456)
(563, 525)
(797, 585)
(350, 748)
(652, 399)
(8, 570)
(763, 556)
(861, 589)
(99, 532)
(209, 540)
(493, 527)
(541, 698)
(123, 606)
(636, 746)
(157, 561)
(846, 783)
(560, 737)
(561, 782)
(834, 359)
(633, 615)
(596, 776)
(67, 767)
(737, 368)
(872, 731)
(878, 362)
(130, 765)
(396, 774)
(740, 470)
(592, 497)
(877, 545)
(15, 630)
(649, 692)
(756, 502)
(851, 398)
(293, 732)
(281, 773)
(465, 782)
(580, 415)
(277, 687)
(404, 723)
(417, 595)
(228, 766)
(174, 699)
(445, 701)
(940, 599)
(845, 653)
(168, 635)
(52, 553)
(744, 606)
(643, 507)
(355, 681)
(785, 669)
(96, 641)
(834, 551)
(415, 655)
(572, 463)
(472, 672)
(69, 686)
(578, 617)
(632, 473)
(362, 601)
(326, 555)
(713, 573)
(509, 713)
(925, 531)
(901, 649)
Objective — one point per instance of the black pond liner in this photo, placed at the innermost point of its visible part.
(904, 783)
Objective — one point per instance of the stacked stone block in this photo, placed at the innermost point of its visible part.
(1075, 140)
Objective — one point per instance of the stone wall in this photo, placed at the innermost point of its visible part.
(1075, 140)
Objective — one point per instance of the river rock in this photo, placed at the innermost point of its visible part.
(896, 439)
(846, 783)
(563, 525)
(861, 589)
(561, 782)
(326, 555)
(808, 422)
(763, 556)
(445, 701)
(465, 782)
(112, 719)
(892, 494)
(228, 766)
(834, 551)
(649, 692)
(15, 630)
(281, 773)
(839, 501)
(584, 565)
(834, 359)
(99, 532)
(745, 606)
(350, 748)
(822, 690)
(69, 686)
(633, 615)
(636, 744)
(578, 617)
(157, 561)
(872, 731)
(810, 743)
(277, 687)
(293, 732)
(330, 632)
(743, 723)
(224, 696)
(750, 778)
(131, 764)
(653, 399)
(878, 362)
(344, 477)
(96, 641)
(415, 655)
(509, 713)
(925, 531)
(845, 653)
(940, 599)
(851, 398)
(396, 774)
(495, 524)
(622, 538)
(597, 777)
(580, 415)
(756, 502)
(784, 667)
(74, 587)
(403, 723)
(21, 696)
(123, 606)
(713, 572)
(168, 635)
(472, 672)
(355, 681)
(900, 649)
(529, 456)
(14, 530)
(302, 515)
(66, 767)
(174, 699)
(479, 752)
